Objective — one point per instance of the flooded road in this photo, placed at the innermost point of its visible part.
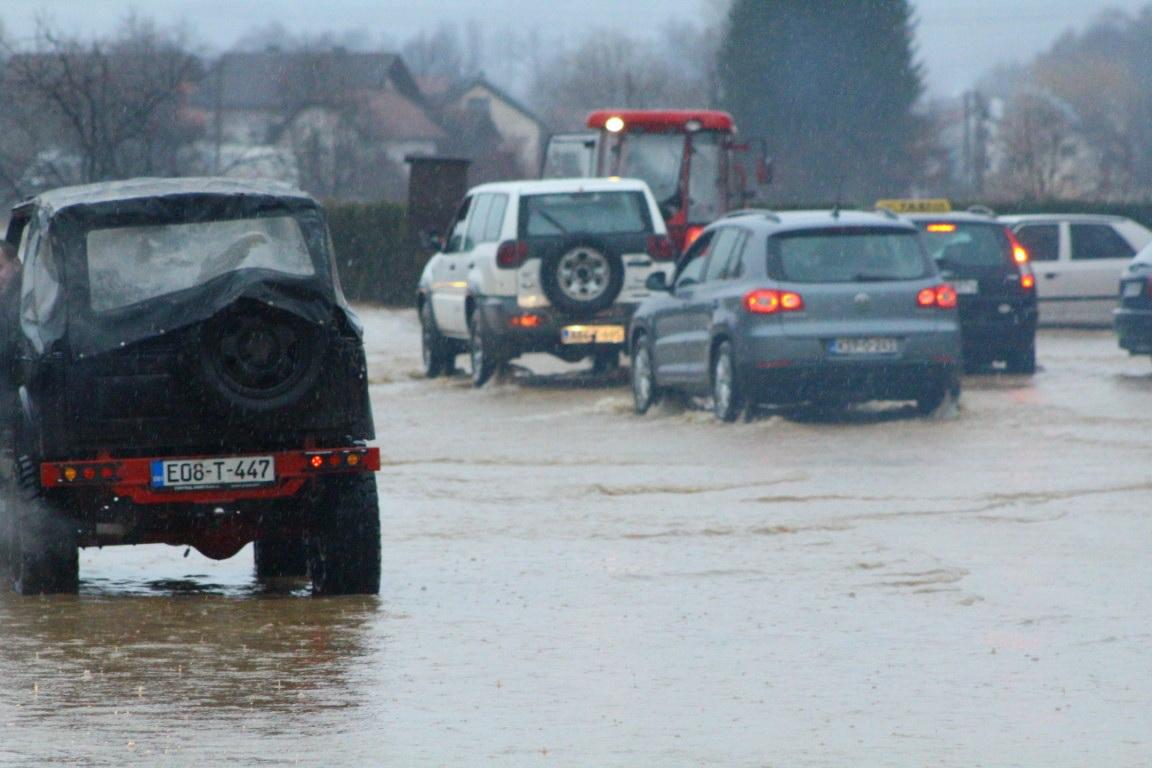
(566, 584)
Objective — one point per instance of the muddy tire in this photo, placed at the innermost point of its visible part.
(605, 361)
(937, 399)
(438, 354)
(727, 393)
(1022, 361)
(582, 276)
(279, 557)
(482, 352)
(645, 393)
(40, 551)
(344, 537)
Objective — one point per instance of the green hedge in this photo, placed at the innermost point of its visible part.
(378, 262)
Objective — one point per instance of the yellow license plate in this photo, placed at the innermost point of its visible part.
(592, 334)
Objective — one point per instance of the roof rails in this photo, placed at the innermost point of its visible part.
(765, 212)
(981, 210)
(888, 212)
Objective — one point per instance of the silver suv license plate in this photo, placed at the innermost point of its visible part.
(592, 334)
(865, 346)
(227, 472)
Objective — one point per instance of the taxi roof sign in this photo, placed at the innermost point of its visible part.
(928, 205)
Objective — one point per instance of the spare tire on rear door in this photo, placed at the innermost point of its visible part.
(582, 275)
(259, 358)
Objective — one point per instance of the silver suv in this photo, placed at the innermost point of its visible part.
(821, 307)
(553, 266)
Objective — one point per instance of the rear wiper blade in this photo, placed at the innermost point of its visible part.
(872, 277)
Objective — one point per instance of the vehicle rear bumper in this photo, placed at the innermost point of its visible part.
(132, 478)
(988, 338)
(801, 368)
(856, 382)
(505, 319)
(1134, 330)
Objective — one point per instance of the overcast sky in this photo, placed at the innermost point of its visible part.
(958, 39)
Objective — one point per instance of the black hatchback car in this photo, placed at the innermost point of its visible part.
(995, 286)
(184, 370)
(1133, 316)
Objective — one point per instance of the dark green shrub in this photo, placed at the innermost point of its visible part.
(378, 262)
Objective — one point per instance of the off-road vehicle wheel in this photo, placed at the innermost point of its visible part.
(727, 393)
(482, 352)
(438, 355)
(277, 557)
(582, 276)
(39, 543)
(344, 537)
(259, 358)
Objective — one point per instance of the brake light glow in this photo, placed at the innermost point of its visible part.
(1019, 252)
(1027, 281)
(524, 321)
(660, 248)
(511, 254)
(691, 235)
(939, 228)
(937, 297)
(769, 302)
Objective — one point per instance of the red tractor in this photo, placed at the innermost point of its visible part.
(690, 159)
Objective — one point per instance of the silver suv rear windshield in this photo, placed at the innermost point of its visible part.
(966, 244)
(128, 265)
(847, 255)
(602, 213)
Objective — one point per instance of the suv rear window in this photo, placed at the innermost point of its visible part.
(127, 265)
(847, 255)
(604, 213)
(966, 244)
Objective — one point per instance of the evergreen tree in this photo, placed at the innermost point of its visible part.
(831, 85)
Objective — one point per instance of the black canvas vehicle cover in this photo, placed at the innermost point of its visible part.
(55, 296)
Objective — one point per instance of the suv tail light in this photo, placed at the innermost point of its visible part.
(769, 302)
(660, 248)
(511, 254)
(937, 297)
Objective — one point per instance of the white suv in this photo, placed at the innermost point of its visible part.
(554, 266)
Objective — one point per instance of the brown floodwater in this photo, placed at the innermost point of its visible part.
(566, 584)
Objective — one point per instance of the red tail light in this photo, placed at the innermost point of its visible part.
(660, 248)
(767, 302)
(691, 235)
(937, 297)
(511, 254)
(1019, 252)
(1027, 281)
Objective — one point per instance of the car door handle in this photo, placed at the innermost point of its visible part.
(471, 264)
(452, 266)
(1051, 275)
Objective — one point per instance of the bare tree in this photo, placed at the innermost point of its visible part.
(612, 69)
(1036, 143)
(104, 109)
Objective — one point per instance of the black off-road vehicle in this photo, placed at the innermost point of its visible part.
(184, 369)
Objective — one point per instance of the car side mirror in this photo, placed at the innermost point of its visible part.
(657, 281)
(431, 241)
